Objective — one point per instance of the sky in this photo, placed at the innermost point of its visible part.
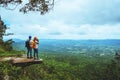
(69, 19)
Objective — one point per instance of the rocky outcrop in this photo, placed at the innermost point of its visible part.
(21, 62)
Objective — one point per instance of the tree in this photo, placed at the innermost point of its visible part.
(41, 6)
(2, 29)
(7, 44)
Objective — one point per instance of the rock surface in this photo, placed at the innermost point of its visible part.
(22, 61)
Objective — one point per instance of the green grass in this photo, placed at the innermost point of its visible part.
(11, 53)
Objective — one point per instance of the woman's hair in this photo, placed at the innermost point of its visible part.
(35, 38)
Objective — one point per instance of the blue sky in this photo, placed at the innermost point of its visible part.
(69, 19)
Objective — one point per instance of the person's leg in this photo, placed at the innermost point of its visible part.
(34, 53)
(37, 53)
(30, 52)
(27, 52)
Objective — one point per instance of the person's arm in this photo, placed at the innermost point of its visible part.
(37, 42)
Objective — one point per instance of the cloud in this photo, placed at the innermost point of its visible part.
(61, 30)
(69, 19)
(89, 11)
(71, 12)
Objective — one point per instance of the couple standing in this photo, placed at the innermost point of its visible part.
(32, 44)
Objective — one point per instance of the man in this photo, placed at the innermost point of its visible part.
(28, 45)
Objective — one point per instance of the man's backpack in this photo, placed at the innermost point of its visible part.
(27, 43)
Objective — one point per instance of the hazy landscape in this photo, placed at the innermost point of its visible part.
(74, 60)
(84, 47)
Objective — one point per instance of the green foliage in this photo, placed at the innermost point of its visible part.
(12, 53)
(6, 68)
(2, 29)
(7, 45)
(2, 50)
(73, 67)
(41, 6)
(65, 67)
(4, 45)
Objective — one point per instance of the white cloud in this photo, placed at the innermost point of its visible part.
(70, 19)
(60, 30)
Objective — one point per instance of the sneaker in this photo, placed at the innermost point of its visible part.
(31, 57)
(28, 57)
(35, 58)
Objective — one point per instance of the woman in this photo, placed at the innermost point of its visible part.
(35, 47)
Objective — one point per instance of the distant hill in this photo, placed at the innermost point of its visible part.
(18, 40)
